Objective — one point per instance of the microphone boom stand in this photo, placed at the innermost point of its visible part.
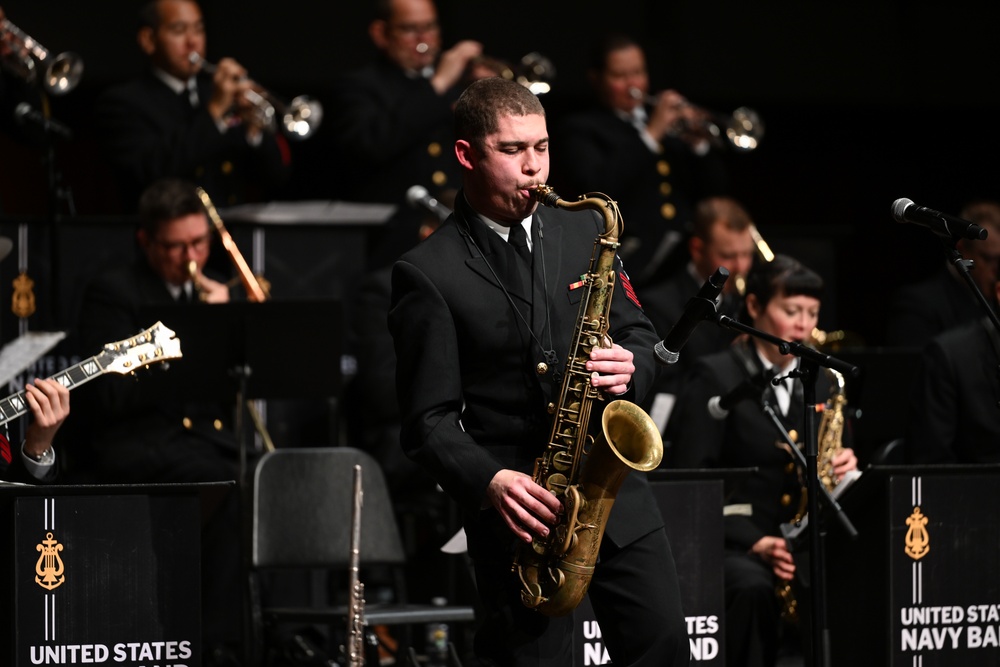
(810, 361)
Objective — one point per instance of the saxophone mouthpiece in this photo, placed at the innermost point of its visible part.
(546, 195)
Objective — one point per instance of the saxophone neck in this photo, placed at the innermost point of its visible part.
(597, 201)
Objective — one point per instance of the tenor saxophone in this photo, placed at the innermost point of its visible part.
(584, 472)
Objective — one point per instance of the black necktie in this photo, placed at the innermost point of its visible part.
(519, 239)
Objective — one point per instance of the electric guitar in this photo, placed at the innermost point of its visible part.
(155, 344)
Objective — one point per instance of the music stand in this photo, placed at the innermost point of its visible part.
(270, 341)
(251, 350)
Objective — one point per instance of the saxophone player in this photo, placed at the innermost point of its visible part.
(782, 299)
(481, 316)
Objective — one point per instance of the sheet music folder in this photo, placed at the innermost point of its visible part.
(291, 348)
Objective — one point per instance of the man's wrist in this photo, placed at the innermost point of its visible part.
(46, 457)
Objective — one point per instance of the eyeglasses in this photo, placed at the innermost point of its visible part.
(198, 245)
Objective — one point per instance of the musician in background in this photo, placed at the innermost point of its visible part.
(146, 431)
(944, 301)
(175, 120)
(955, 400)
(393, 118)
(655, 159)
(720, 237)
(783, 299)
(469, 333)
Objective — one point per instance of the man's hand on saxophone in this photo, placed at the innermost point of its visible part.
(527, 508)
(611, 369)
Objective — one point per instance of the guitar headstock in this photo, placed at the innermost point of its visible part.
(155, 344)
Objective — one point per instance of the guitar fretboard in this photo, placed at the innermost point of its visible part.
(16, 405)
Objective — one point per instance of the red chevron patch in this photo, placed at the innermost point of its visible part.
(629, 292)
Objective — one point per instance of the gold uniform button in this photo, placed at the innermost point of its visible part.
(663, 168)
(187, 422)
(542, 368)
(217, 424)
(666, 189)
(227, 167)
(789, 467)
(439, 178)
(668, 211)
(794, 435)
(786, 500)
(434, 149)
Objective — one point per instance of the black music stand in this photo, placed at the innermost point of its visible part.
(244, 350)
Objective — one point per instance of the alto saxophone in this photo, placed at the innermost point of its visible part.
(583, 472)
(829, 444)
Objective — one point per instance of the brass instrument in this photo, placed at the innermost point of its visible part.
(744, 127)
(256, 289)
(829, 444)
(193, 272)
(583, 472)
(255, 292)
(354, 645)
(25, 55)
(300, 118)
(534, 71)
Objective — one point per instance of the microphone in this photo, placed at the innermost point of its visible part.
(941, 224)
(417, 195)
(719, 406)
(25, 114)
(699, 307)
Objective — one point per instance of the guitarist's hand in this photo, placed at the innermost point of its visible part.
(49, 403)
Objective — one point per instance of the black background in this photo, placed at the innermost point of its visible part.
(863, 103)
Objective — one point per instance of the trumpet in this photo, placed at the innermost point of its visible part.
(534, 71)
(743, 128)
(23, 56)
(299, 119)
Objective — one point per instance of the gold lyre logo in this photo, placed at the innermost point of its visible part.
(49, 567)
(918, 543)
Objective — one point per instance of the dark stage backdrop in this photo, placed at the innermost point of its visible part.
(863, 102)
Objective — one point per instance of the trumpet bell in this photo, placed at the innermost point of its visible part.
(302, 117)
(745, 129)
(63, 74)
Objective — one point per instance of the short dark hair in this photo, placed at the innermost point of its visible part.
(597, 60)
(724, 210)
(483, 102)
(165, 200)
(785, 276)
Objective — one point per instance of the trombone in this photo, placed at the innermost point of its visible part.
(23, 56)
(299, 119)
(743, 128)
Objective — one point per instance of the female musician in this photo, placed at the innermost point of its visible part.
(783, 299)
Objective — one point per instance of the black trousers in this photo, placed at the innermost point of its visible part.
(753, 615)
(634, 593)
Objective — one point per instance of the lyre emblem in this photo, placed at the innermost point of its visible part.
(917, 540)
(22, 303)
(49, 567)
